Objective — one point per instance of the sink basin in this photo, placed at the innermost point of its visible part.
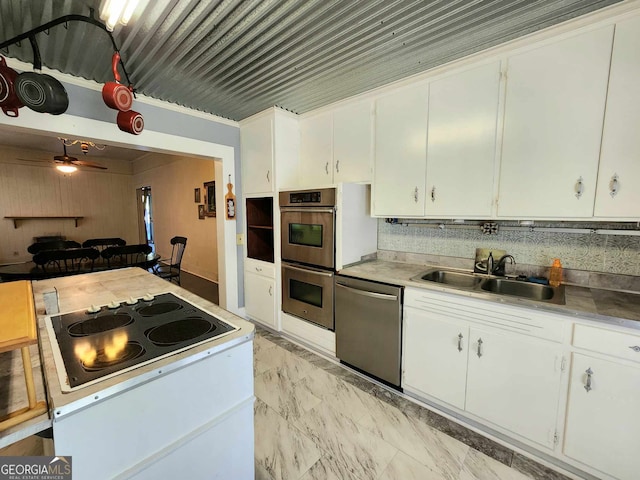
(500, 286)
(454, 279)
(532, 291)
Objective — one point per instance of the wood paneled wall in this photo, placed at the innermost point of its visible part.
(29, 185)
(172, 180)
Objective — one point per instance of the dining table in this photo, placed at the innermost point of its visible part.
(32, 271)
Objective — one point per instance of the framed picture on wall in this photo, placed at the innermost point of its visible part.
(196, 195)
(210, 199)
(201, 212)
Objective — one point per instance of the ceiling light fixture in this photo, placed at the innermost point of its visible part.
(114, 11)
(66, 168)
(84, 144)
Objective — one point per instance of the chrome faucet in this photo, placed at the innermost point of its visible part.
(498, 269)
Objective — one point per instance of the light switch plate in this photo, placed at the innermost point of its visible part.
(239, 238)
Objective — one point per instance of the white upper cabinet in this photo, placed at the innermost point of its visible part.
(352, 143)
(256, 144)
(555, 100)
(269, 144)
(316, 150)
(618, 191)
(461, 143)
(401, 152)
(336, 146)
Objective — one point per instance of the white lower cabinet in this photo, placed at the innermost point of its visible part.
(500, 365)
(259, 298)
(514, 381)
(603, 422)
(603, 419)
(435, 355)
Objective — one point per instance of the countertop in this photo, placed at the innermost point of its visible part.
(100, 288)
(607, 306)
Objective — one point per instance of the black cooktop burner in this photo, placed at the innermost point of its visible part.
(102, 323)
(93, 345)
(110, 356)
(179, 331)
(158, 308)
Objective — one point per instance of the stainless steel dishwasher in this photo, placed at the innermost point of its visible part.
(368, 325)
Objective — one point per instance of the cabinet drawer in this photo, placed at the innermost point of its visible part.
(265, 269)
(527, 321)
(610, 342)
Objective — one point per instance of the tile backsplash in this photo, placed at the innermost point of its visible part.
(590, 252)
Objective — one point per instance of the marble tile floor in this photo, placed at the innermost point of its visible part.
(315, 420)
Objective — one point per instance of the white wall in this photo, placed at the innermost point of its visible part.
(29, 187)
(172, 180)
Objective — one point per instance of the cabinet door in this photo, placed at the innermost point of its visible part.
(514, 382)
(316, 150)
(618, 193)
(256, 140)
(259, 298)
(352, 135)
(553, 121)
(461, 143)
(603, 423)
(435, 356)
(401, 152)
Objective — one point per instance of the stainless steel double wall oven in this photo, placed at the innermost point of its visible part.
(308, 237)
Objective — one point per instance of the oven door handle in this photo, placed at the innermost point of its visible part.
(308, 270)
(307, 209)
(384, 296)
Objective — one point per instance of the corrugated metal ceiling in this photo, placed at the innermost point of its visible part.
(234, 58)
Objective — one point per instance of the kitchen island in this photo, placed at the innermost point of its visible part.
(187, 415)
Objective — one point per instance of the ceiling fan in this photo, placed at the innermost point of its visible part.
(68, 164)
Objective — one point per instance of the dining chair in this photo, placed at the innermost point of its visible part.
(126, 255)
(66, 262)
(102, 243)
(52, 245)
(171, 271)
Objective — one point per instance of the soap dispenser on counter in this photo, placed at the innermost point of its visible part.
(555, 275)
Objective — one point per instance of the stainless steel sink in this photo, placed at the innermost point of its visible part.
(455, 279)
(500, 286)
(533, 291)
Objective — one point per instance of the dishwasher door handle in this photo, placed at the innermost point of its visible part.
(382, 296)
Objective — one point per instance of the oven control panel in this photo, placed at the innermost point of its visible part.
(305, 197)
(311, 198)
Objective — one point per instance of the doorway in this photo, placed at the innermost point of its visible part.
(145, 217)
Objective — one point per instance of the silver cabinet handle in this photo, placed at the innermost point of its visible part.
(479, 347)
(614, 185)
(337, 166)
(326, 168)
(433, 193)
(268, 176)
(271, 290)
(587, 386)
(579, 188)
(415, 195)
(635, 348)
(460, 337)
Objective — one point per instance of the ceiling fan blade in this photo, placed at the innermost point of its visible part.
(88, 164)
(64, 158)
